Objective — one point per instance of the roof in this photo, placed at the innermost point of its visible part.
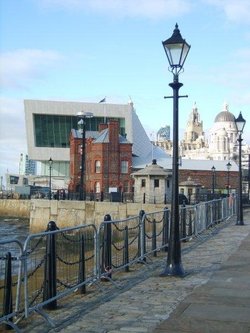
(188, 164)
(99, 137)
(165, 161)
(163, 158)
(224, 116)
(190, 182)
(104, 137)
(152, 170)
(88, 134)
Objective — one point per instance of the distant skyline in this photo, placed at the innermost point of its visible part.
(85, 50)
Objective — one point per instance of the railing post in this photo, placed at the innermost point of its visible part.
(82, 274)
(190, 229)
(154, 238)
(141, 237)
(107, 260)
(125, 253)
(183, 221)
(7, 300)
(50, 268)
(165, 231)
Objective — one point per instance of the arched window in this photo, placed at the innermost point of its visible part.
(97, 166)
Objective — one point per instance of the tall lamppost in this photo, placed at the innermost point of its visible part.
(213, 179)
(82, 127)
(50, 168)
(240, 124)
(229, 165)
(176, 49)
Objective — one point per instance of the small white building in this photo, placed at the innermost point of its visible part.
(152, 184)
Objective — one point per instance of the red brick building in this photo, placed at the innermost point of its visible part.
(205, 178)
(108, 160)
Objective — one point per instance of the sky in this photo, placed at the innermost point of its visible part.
(85, 50)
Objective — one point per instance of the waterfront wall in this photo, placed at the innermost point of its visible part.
(70, 213)
(15, 208)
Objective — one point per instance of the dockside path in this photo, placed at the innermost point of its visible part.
(213, 297)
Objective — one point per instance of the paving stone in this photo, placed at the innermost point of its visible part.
(149, 303)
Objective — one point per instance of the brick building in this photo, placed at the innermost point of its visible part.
(108, 160)
(205, 179)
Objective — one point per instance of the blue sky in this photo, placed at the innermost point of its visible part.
(86, 49)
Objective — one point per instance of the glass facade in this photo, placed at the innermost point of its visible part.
(54, 130)
(59, 169)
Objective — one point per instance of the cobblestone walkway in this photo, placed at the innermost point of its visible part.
(144, 300)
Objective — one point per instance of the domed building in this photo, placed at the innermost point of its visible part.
(223, 136)
(220, 143)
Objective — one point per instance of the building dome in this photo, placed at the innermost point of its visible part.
(224, 116)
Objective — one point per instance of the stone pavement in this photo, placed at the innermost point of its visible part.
(214, 296)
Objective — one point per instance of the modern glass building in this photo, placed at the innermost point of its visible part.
(53, 130)
(48, 126)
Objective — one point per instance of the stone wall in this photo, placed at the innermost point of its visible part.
(70, 213)
(15, 208)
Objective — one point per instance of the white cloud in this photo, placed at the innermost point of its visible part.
(12, 134)
(20, 67)
(235, 10)
(153, 9)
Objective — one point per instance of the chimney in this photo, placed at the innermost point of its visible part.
(114, 134)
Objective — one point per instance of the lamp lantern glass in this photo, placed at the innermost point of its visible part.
(176, 49)
(240, 123)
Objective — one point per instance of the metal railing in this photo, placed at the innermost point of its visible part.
(11, 255)
(58, 262)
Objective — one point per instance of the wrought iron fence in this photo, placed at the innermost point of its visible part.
(58, 262)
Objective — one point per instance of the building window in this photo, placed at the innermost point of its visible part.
(97, 187)
(156, 183)
(143, 183)
(52, 130)
(124, 167)
(97, 167)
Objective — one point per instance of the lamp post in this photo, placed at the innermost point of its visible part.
(82, 127)
(240, 124)
(176, 49)
(213, 179)
(229, 165)
(50, 168)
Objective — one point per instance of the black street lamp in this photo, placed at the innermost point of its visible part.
(50, 168)
(229, 165)
(176, 49)
(240, 124)
(82, 127)
(213, 179)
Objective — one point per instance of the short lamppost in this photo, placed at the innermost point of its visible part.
(213, 180)
(50, 168)
(82, 128)
(240, 124)
(229, 165)
(176, 49)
